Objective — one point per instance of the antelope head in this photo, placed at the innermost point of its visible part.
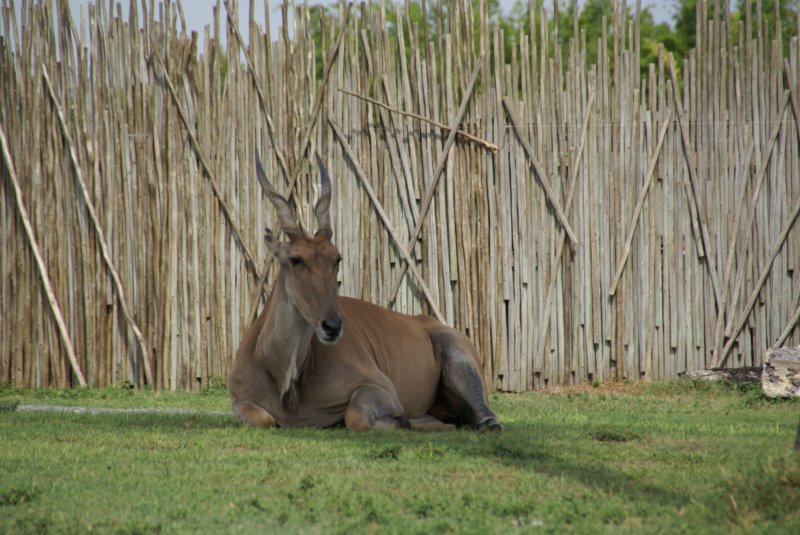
(308, 265)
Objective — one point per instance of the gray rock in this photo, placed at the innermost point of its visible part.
(781, 377)
(734, 375)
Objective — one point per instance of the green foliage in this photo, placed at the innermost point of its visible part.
(685, 21)
(685, 24)
(672, 457)
(780, 15)
(319, 25)
(595, 17)
(223, 69)
(653, 35)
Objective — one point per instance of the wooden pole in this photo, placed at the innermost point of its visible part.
(318, 103)
(751, 212)
(437, 173)
(386, 221)
(720, 360)
(491, 146)
(738, 212)
(251, 69)
(548, 190)
(48, 288)
(693, 187)
(223, 204)
(306, 136)
(544, 324)
(99, 230)
(787, 73)
(639, 204)
(789, 326)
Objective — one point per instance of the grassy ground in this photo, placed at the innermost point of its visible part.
(661, 458)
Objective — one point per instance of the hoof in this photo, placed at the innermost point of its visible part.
(489, 424)
(403, 422)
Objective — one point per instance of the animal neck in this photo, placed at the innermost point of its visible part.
(284, 343)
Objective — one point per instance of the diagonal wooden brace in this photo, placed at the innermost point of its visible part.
(548, 190)
(386, 222)
(437, 173)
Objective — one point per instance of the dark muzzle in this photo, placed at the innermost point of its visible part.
(332, 329)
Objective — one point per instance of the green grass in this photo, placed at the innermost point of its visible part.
(664, 458)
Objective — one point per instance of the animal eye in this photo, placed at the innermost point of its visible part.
(296, 260)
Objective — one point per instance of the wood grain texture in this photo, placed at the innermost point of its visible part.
(665, 239)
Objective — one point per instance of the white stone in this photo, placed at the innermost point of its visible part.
(781, 377)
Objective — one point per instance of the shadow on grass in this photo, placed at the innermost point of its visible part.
(518, 447)
(597, 474)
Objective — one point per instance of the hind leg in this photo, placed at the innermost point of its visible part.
(462, 379)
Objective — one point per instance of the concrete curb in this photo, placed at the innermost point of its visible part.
(94, 411)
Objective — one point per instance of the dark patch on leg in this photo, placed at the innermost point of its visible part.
(451, 408)
(489, 424)
(402, 422)
(462, 390)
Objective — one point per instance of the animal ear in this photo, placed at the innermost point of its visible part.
(291, 228)
(278, 248)
(326, 233)
(269, 237)
(322, 209)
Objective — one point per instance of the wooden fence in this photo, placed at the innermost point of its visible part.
(604, 225)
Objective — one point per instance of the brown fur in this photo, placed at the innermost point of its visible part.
(313, 359)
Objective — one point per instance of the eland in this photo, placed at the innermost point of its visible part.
(315, 359)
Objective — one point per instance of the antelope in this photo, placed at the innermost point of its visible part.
(316, 359)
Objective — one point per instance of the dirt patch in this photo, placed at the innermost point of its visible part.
(611, 387)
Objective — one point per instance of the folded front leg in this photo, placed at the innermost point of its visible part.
(251, 414)
(375, 407)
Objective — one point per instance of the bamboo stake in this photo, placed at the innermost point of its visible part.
(491, 146)
(386, 221)
(98, 230)
(260, 93)
(720, 360)
(306, 139)
(437, 173)
(693, 187)
(738, 212)
(489, 243)
(789, 327)
(639, 204)
(751, 213)
(544, 325)
(548, 190)
(318, 103)
(787, 72)
(261, 287)
(223, 204)
(48, 289)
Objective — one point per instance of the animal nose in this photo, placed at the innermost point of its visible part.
(332, 327)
